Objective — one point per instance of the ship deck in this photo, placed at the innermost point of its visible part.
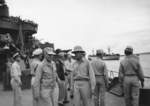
(6, 99)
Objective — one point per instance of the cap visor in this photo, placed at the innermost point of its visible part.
(78, 51)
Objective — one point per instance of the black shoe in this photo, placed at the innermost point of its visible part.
(71, 96)
(69, 89)
(66, 101)
(60, 104)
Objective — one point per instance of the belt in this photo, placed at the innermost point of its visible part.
(84, 79)
(98, 75)
(130, 75)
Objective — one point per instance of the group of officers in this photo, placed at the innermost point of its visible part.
(86, 80)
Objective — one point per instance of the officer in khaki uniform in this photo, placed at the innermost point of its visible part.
(36, 61)
(16, 80)
(83, 78)
(101, 75)
(130, 73)
(45, 85)
(69, 68)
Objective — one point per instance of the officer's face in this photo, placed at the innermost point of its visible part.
(78, 55)
(49, 57)
(40, 56)
(18, 58)
(61, 55)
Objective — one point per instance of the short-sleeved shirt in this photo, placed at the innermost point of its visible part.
(84, 70)
(34, 65)
(99, 67)
(130, 65)
(46, 75)
(69, 65)
(15, 70)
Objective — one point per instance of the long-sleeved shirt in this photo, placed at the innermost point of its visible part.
(16, 72)
(130, 65)
(83, 70)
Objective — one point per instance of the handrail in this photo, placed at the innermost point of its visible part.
(112, 73)
(148, 77)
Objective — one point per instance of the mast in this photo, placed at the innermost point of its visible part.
(109, 50)
(20, 36)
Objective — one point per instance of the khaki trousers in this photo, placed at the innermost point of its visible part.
(82, 93)
(49, 96)
(17, 93)
(34, 101)
(100, 90)
(131, 90)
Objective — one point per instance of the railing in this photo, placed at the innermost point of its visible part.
(147, 77)
(112, 74)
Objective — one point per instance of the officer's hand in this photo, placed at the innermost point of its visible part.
(142, 84)
(93, 92)
(36, 96)
(36, 93)
(71, 94)
(93, 97)
(66, 74)
(20, 83)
